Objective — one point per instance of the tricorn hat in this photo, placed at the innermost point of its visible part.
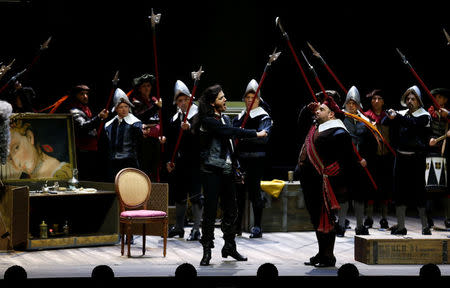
(138, 81)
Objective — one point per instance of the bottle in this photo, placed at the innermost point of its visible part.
(66, 228)
(43, 230)
(73, 183)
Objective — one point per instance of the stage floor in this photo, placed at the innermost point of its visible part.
(287, 250)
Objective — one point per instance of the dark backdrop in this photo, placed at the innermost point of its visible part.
(232, 40)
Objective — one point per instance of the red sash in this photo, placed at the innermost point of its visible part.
(326, 224)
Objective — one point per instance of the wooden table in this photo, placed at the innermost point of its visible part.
(92, 217)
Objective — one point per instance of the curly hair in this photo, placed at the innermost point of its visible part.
(208, 97)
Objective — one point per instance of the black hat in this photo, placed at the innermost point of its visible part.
(442, 91)
(138, 81)
(77, 89)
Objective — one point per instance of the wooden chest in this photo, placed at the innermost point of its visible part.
(287, 213)
(420, 249)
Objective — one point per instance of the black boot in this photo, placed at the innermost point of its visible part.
(229, 249)
(326, 256)
(175, 231)
(194, 236)
(312, 261)
(206, 256)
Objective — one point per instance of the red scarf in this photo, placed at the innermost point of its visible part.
(375, 117)
(330, 203)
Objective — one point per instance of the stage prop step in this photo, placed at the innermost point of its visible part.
(390, 249)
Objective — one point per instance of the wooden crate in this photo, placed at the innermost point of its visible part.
(420, 249)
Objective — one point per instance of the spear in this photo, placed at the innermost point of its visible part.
(108, 103)
(285, 35)
(5, 68)
(447, 36)
(325, 96)
(154, 19)
(272, 57)
(12, 80)
(373, 129)
(196, 76)
(317, 54)
(28, 68)
(406, 62)
(43, 47)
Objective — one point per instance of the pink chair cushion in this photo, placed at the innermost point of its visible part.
(143, 213)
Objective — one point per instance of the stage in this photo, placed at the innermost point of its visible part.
(286, 250)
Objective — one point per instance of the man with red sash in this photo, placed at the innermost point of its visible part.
(326, 164)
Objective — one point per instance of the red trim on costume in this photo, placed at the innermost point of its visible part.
(326, 224)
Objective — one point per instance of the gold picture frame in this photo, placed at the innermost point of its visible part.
(42, 147)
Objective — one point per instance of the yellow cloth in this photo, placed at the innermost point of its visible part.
(273, 187)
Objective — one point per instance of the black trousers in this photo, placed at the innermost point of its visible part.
(186, 181)
(218, 187)
(409, 171)
(119, 164)
(254, 170)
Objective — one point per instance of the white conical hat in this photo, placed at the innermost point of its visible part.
(180, 88)
(120, 97)
(353, 94)
(252, 86)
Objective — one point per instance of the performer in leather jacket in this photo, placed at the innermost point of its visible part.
(410, 133)
(252, 157)
(86, 138)
(185, 171)
(217, 171)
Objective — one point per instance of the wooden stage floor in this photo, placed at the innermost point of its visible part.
(286, 250)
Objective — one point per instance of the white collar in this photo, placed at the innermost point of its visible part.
(334, 123)
(419, 112)
(253, 113)
(130, 119)
(192, 112)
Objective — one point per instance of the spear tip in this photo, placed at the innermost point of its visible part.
(447, 36)
(314, 51)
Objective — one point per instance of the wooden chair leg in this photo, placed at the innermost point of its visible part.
(122, 236)
(129, 236)
(166, 224)
(143, 239)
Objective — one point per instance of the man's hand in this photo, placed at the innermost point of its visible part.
(170, 166)
(363, 163)
(103, 114)
(162, 139)
(185, 126)
(391, 113)
(158, 102)
(262, 133)
(443, 112)
(313, 106)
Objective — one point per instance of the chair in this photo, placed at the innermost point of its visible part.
(133, 188)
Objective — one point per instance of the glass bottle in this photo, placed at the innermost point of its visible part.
(73, 183)
(43, 230)
(66, 228)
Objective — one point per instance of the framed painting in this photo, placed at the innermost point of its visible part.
(42, 147)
